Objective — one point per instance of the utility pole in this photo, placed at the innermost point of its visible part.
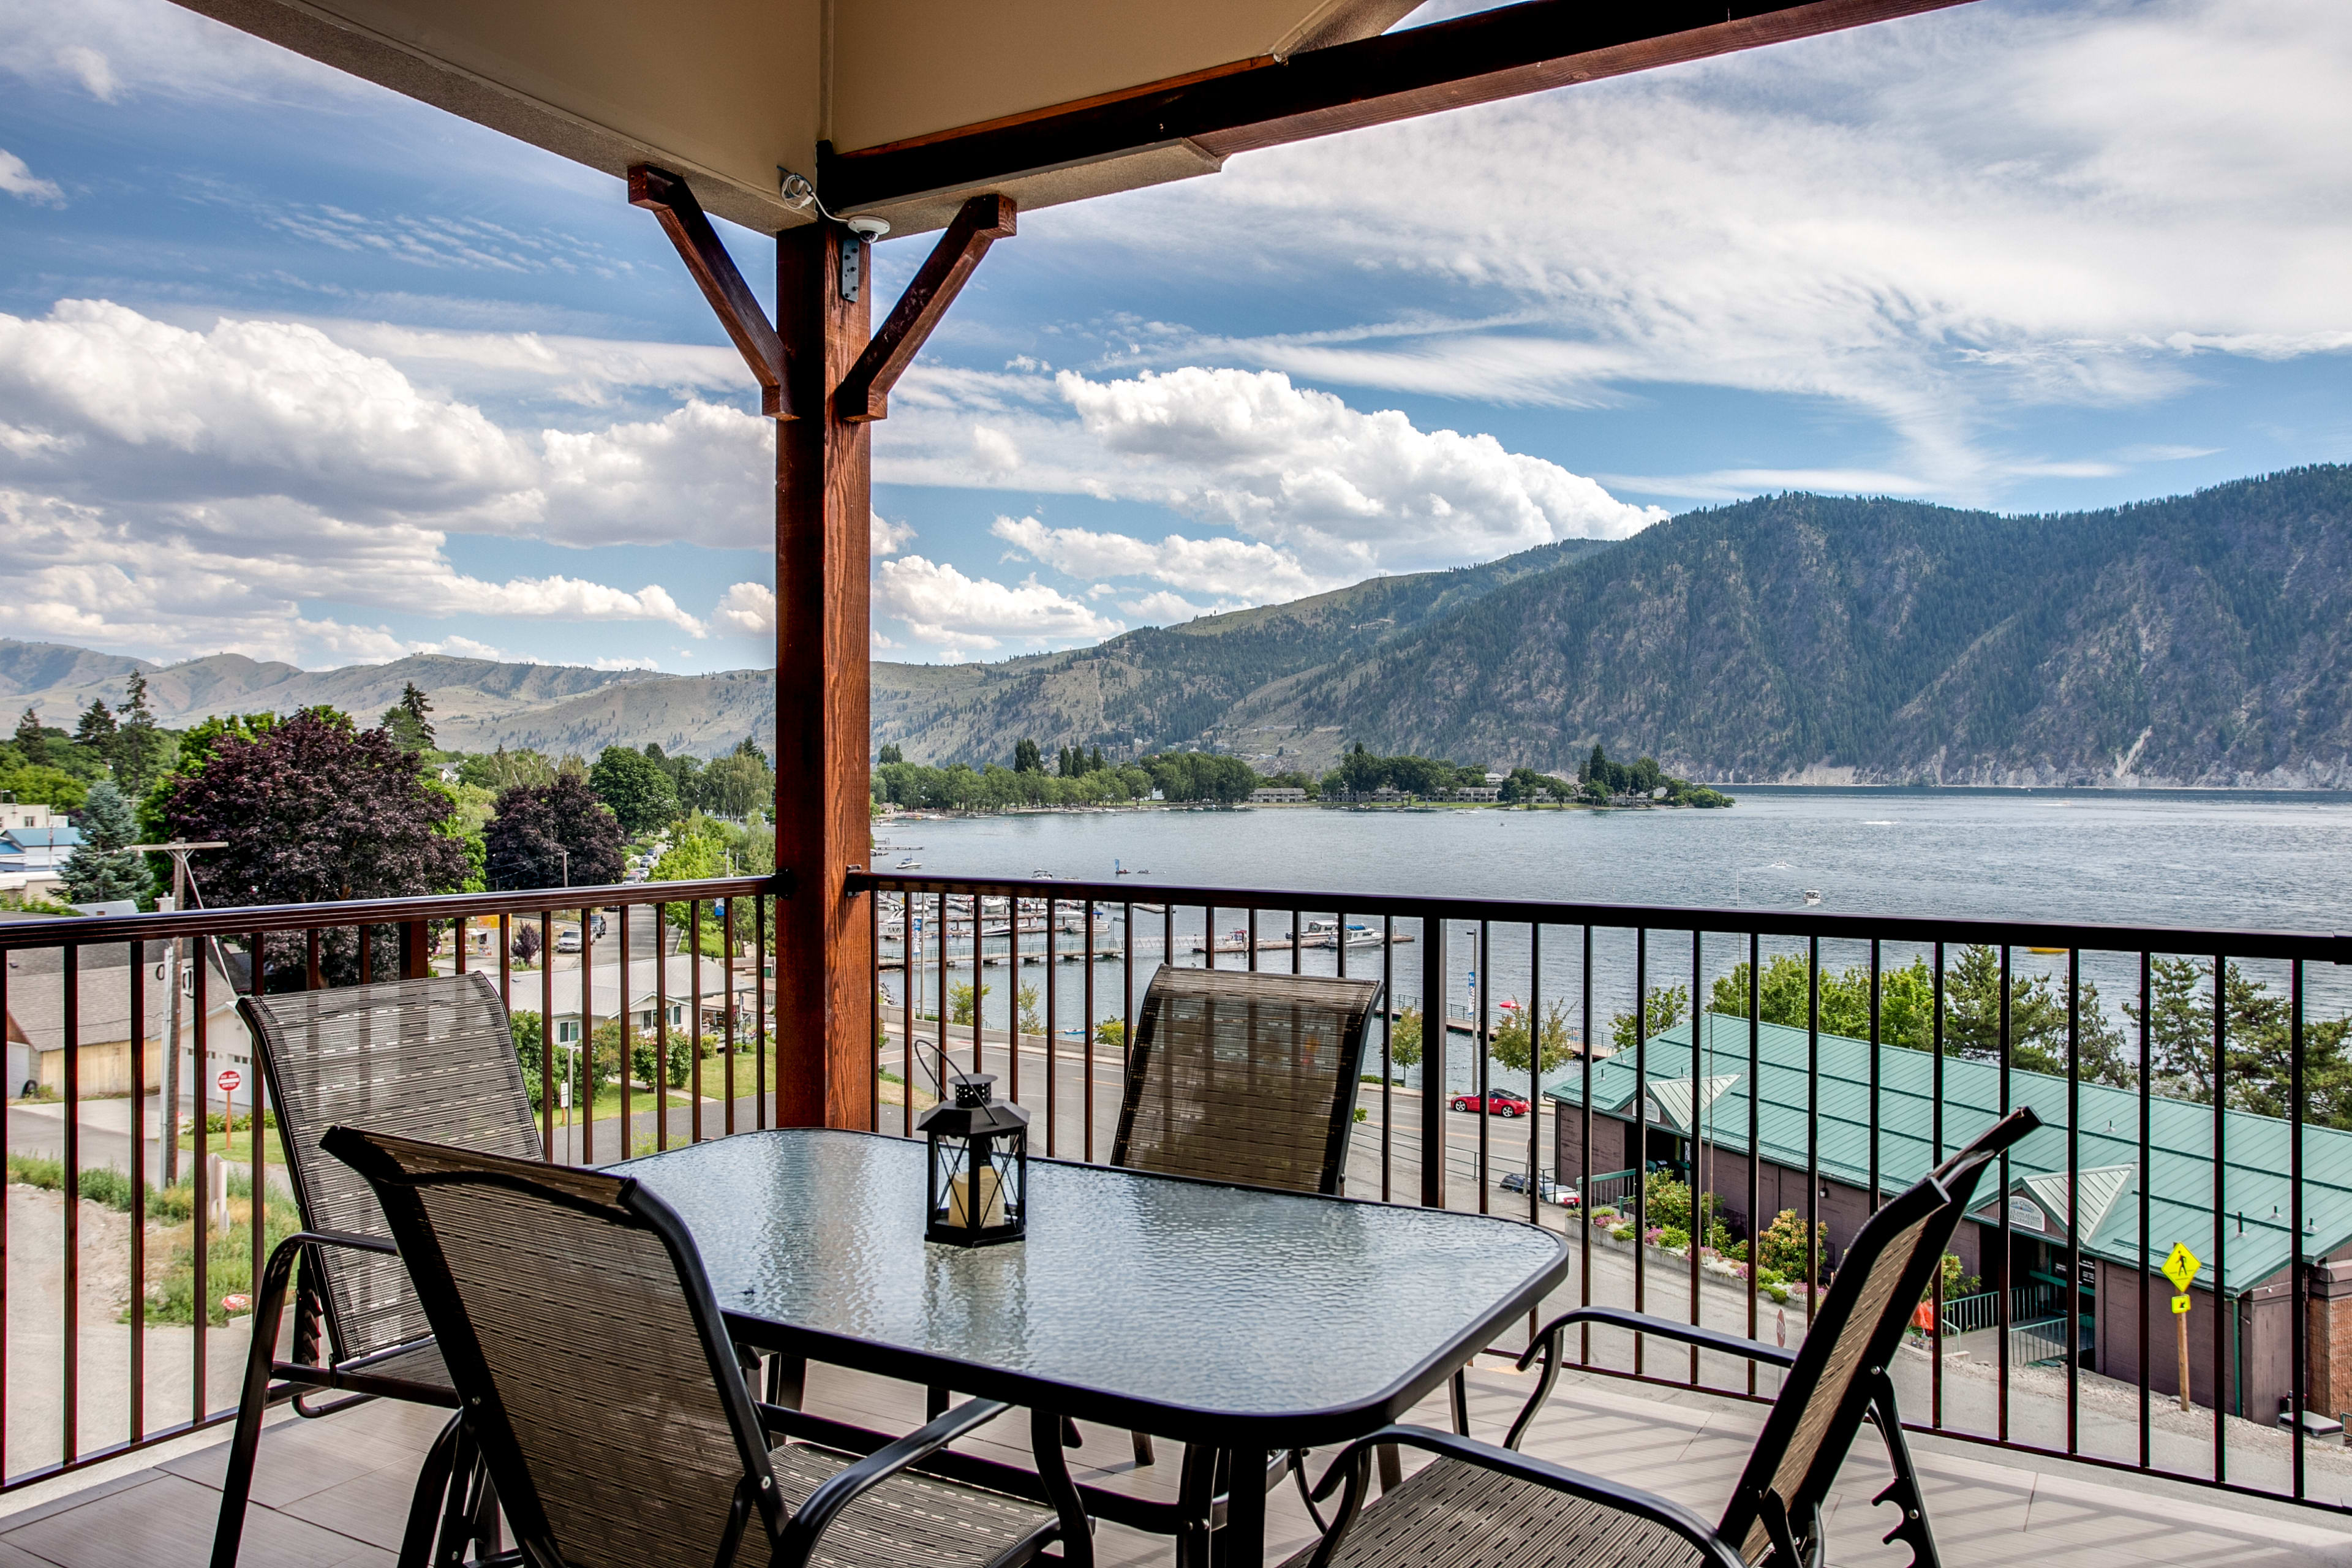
(169, 1118)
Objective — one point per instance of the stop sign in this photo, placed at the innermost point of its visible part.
(228, 1080)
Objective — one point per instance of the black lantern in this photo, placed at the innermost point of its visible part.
(977, 1191)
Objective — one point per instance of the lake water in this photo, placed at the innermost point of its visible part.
(2275, 861)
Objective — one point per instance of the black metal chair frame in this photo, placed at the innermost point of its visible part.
(268, 1380)
(1780, 1523)
(482, 1428)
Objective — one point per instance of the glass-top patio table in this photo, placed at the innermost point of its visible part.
(1232, 1317)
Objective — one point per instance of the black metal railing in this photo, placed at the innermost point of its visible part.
(2200, 1081)
(88, 1005)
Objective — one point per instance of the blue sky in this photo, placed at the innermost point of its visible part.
(292, 367)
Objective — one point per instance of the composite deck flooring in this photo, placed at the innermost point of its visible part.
(335, 1491)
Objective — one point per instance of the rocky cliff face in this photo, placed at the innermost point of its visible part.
(2197, 640)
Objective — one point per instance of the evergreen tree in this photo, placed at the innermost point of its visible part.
(138, 754)
(887, 756)
(409, 720)
(1095, 763)
(1025, 758)
(103, 868)
(30, 742)
(94, 731)
(1061, 764)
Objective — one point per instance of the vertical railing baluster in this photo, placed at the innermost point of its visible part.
(1535, 1072)
(1127, 1004)
(200, 1176)
(583, 1148)
(138, 1304)
(546, 1032)
(1389, 1011)
(2222, 1390)
(458, 931)
(979, 997)
(2073, 1200)
(626, 1010)
(694, 1015)
(311, 978)
(1874, 1080)
(2147, 1092)
(1584, 1158)
(760, 1009)
(2007, 1256)
(1252, 939)
(1012, 1000)
(2298, 1282)
(1088, 1096)
(727, 1037)
(1640, 1129)
(70, 1350)
(1812, 1125)
(1209, 936)
(1479, 995)
(1702, 1091)
(1755, 1154)
(367, 959)
(1935, 1121)
(1053, 1020)
(661, 1028)
(1299, 940)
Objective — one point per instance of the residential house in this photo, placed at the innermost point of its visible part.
(2240, 1332)
(35, 1020)
(671, 991)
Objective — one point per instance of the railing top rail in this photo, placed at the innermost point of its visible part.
(2097, 937)
(90, 931)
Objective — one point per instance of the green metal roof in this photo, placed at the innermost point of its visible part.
(2254, 1245)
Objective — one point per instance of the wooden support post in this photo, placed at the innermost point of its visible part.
(824, 997)
(824, 381)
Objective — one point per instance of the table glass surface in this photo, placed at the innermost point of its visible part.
(1202, 1296)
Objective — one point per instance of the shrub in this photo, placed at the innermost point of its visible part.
(1674, 1238)
(1781, 1247)
(963, 1000)
(1622, 1233)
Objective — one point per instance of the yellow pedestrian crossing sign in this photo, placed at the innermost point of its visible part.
(2181, 1269)
(2179, 1304)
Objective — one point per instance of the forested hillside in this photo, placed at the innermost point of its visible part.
(1160, 687)
(2199, 640)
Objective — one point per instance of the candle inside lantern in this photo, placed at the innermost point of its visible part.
(990, 1205)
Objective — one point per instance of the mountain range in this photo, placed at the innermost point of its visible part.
(2198, 639)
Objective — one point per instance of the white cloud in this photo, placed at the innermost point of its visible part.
(884, 537)
(1162, 609)
(109, 48)
(1943, 223)
(749, 608)
(610, 663)
(1335, 493)
(943, 607)
(20, 181)
(1252, 573)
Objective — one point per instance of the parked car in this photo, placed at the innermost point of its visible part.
(1547, 1189)
(1497, 1104)
(568, 940)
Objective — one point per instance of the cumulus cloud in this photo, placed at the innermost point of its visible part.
(884, 537)
(1942, 223)
(749, 608)
(20, 181)
(1333, 492)
(1250, 572)
(955, 613)
(1162, 609)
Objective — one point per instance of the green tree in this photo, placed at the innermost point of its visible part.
(1031, 1024)
(1666, 1007)
(409, 722)
(1404, 1038)
(101, 869)
(1111, 1034)
(638, 789)
(502, 770)
(1781, 1247)
(2257, 1059)
(1509, 1042)
(887, 756)
(140, 749)
(739, 783)
(963, 1002)
(1024, 757)
(94, 731)
(551, 835)
(31, 743)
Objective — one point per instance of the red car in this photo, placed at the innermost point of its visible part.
(1497, 1104)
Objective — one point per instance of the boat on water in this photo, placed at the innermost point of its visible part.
(1812, 895)
(909, 864)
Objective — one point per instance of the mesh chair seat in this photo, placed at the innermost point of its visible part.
(907, 1519)
(423, 1366)
(1461, 1516)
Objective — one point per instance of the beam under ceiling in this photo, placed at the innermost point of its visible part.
(1478, 58)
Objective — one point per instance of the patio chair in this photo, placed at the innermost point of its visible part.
(1479, 1506)
(612, 1412)
(432, 1056)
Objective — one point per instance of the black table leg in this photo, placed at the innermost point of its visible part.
(1242, 1543)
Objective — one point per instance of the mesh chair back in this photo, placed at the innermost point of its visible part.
(579, 1327)
(1243, 1076)
(428, 1058)
(1856, 1329)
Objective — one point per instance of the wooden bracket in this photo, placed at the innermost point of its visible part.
(667, 197)
(865, 392)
